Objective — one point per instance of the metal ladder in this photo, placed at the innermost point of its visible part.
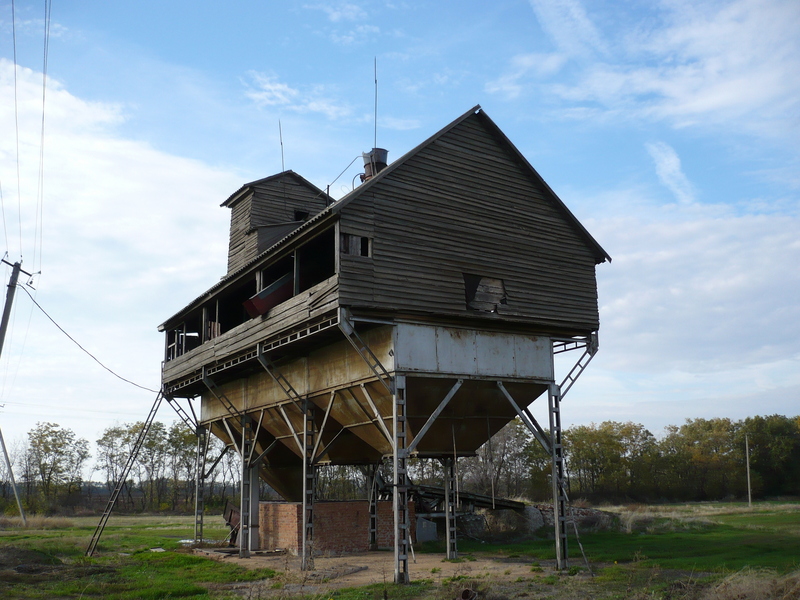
(203, 440)
(400, 504)
(245, 489)
(90, 550)
(309, 484)
(560, 502)
(367, 355)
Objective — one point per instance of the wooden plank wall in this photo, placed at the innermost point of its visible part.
(273, 201)
(464, 205)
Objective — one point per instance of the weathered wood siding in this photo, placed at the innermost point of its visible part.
(270, 202)
(464, 204)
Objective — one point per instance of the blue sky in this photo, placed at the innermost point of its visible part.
(671, 129)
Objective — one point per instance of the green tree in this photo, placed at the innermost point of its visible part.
(57, 457)
(702, 459)
(181, 462)
(774, 453)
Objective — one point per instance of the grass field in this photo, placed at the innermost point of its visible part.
(687, 552)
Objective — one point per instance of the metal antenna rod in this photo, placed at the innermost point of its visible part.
(375, 145)
(280, 134)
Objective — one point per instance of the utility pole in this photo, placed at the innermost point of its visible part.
(747, 455)
(12, 289)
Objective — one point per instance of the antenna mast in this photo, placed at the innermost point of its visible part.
(280, 135)
(375, 145)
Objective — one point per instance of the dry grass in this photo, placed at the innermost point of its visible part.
(36, 522)
(752, 584)
(684, 517)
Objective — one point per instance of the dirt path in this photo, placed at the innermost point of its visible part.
(378, 567)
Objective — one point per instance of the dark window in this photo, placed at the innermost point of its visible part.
(356, 245)
(484, 293)
(316, 260)
(300, 215)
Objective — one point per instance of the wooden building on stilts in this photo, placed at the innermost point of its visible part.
(414, 317)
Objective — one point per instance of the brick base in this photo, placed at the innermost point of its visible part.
(338, 526)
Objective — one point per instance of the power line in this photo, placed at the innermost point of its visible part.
(74, 341)
(38, 230)
(16, 121)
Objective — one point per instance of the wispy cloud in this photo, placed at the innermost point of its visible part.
(567, 22)
(111, 209)
(668, 169)
(399, 124)
(358, 34)
(349, 20)
(523, 67)
(697, 288)
(266, 90)
(689, 64)
(340, 11)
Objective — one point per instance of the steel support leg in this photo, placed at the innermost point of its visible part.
(400, 481)
(309, 485)
(450, 508)
(199, 482)
(255, 480)
(246, 486)
(373, 507)
(559, 498)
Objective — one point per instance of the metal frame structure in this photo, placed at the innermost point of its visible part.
(309, 443)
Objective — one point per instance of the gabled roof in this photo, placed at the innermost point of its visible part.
(600, 254)
(243, 191)
(320, 220)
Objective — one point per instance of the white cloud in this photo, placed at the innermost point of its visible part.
(113, 266)
(698, 312)
(698, 289)
(668, 169)
(570, 27)
(730, 64)
(266, 90)
(340, 11)
(271, 92)
(524, 66)
(399, 124)
(356, 35)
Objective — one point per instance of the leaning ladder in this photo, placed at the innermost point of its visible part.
(123, 476)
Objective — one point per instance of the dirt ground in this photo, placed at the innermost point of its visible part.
(359, 569)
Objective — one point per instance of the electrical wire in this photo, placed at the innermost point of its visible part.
(16, 120)
(3, 212)
(38, 230)
(74, 341)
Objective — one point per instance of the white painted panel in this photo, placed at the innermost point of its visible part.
(495, 354)
(455, 351)
(431, 349)
(415, 348)
(533, 357)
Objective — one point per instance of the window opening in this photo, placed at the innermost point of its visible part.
(316, 260)
(300, 215)
(356, 245)
(484, 293)
(277, 285)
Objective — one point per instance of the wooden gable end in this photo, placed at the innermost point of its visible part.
(265, 211)
(465, 215)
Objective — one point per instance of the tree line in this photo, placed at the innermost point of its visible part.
(703, 459)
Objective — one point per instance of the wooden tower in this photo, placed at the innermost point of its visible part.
(416, 316)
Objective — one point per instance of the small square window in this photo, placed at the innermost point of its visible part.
(300, 215)
(356, 245)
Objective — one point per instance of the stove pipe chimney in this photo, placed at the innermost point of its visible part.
(375, 161)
